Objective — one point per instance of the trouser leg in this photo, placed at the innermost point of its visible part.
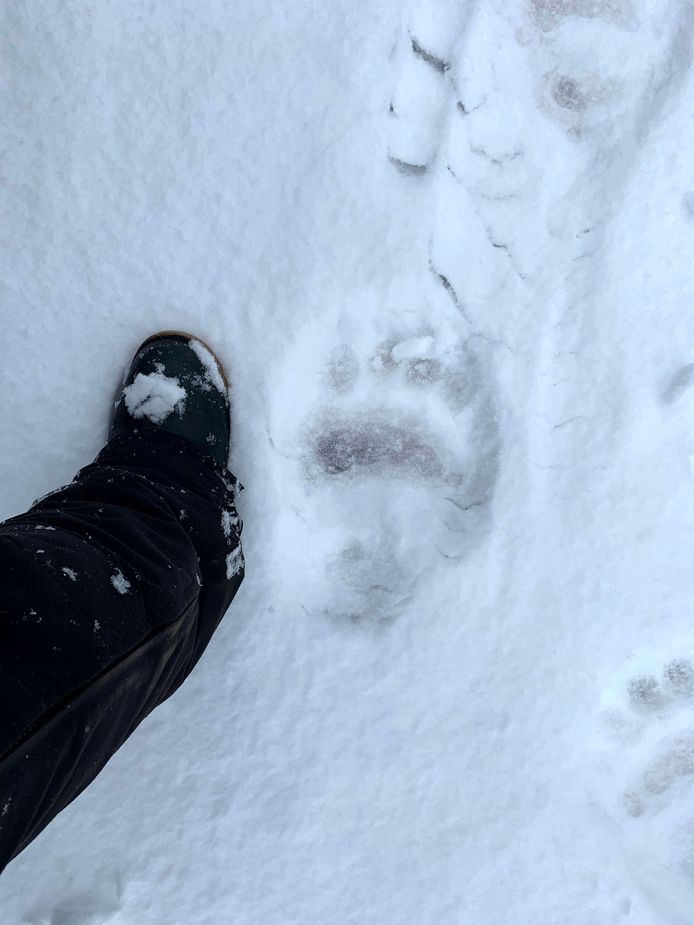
(110, 590)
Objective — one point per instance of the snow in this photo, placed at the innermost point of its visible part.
(212, 372)
(154, 396)
(230, 523)
(120, 582)
(71, 573)
(234, 563)
(415, 347)
(444, 251)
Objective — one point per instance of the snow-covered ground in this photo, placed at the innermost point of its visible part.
(445, 249)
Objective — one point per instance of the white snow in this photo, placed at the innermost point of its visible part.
(71, 573)
(447, 249)
(120, 582)
(415, 347)
(154, 396)
(211, 367)
(229, 523)
(234, 563)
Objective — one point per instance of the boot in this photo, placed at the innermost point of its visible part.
(176, 383)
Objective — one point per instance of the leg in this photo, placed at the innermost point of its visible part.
(111, 590)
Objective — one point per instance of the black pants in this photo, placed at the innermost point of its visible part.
(110, 590)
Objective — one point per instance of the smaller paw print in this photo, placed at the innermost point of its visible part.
(647, 693)
(645, 700)
(645, 776)
(661, 701)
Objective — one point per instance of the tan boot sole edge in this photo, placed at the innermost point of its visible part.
(188, 336)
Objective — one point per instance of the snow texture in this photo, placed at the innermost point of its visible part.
(120, 582)
(444, 247)
(154, 396)
(212, 370)
(230, 524)
(234, 563)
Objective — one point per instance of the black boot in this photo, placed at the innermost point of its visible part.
(176, 383)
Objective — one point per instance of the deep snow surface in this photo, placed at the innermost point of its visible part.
(445, 250)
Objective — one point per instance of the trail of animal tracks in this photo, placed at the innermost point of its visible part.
(445, 251)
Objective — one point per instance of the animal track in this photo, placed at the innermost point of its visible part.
(417, 107)
(372, 442)
(648, 695)
(679, 384)
(342, 368)
(398, 448)
(343, 446)
(646, 774)
(474, 90)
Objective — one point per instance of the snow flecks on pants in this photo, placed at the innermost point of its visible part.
(71, 573)
(120, 582)
(235, 563)
(230, 523)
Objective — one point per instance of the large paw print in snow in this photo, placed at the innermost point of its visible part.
(645, 779)
(395, 446)
(483, 91)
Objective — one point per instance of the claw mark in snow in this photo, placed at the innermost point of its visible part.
(497, 161)
(462, 108)
(413, 170)
(578, 417)
(450, 289)
(679, 384)
(437, 63)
